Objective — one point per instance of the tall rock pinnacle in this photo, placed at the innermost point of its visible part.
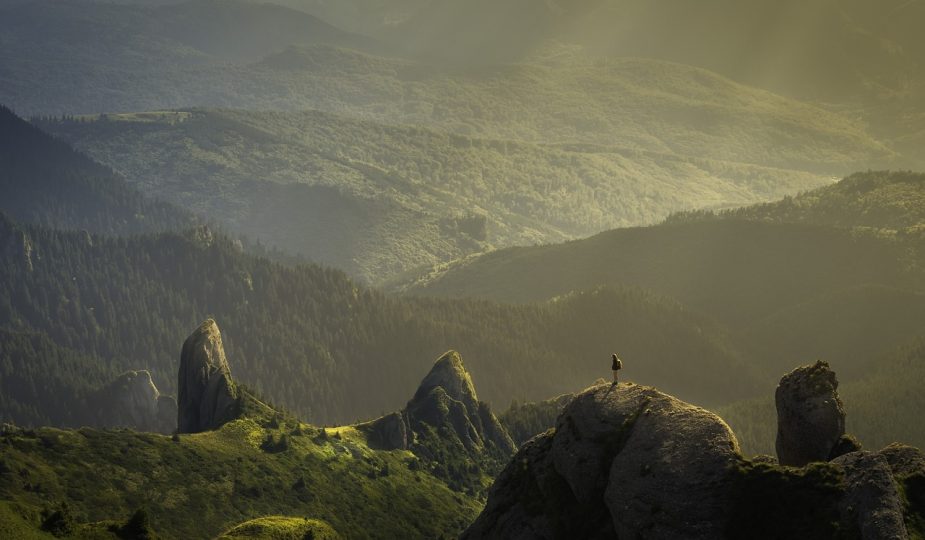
(207, 395)
(810, 415)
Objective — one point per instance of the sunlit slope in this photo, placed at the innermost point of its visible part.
(198, 486)
(377, 200)
(884, 202)
(568, 97)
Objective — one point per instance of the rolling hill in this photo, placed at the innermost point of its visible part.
(787, 285)
(377, 200)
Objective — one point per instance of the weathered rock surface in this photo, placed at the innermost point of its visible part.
(672, 475)
(904, 460)
(628, 461)
(872, 500)
(810, 415)
(132, 401)
(207, 396)
(623, 461)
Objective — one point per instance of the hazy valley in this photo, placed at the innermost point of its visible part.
(256, 259)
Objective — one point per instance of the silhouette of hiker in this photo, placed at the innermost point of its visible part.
(616, 366)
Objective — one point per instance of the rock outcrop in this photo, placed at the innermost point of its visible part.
(207, 397)
(444, 419)
(810, 415)
(628, 461)
(133, 401)
(872, 502)
(623, 461)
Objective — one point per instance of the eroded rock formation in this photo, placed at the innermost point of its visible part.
(810, 415)
(207, 397)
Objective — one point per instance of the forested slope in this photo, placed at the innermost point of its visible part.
(832, 274)
(319, 344)
(45, 181)
(376, 200)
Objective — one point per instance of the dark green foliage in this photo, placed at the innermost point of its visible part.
(317, 343)
(42, 383)
(44, 181)
(275, 443)
(772, 502)
(138, 527)
(59, 522)
(524, 421)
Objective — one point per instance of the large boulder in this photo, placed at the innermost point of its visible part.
(207, 396)
(672, 475)
(810, 415)
(623, 461)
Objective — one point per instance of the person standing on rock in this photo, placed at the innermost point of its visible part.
(616, 366)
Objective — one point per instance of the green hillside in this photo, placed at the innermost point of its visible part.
(881, 202)
(202, 485)
(377, 200)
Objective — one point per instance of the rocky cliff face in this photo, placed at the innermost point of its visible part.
(133, 401)
(810, 415)
(445, 422)
(628, 461)
(207, 397)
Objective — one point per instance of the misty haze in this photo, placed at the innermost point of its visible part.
(477, 269)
